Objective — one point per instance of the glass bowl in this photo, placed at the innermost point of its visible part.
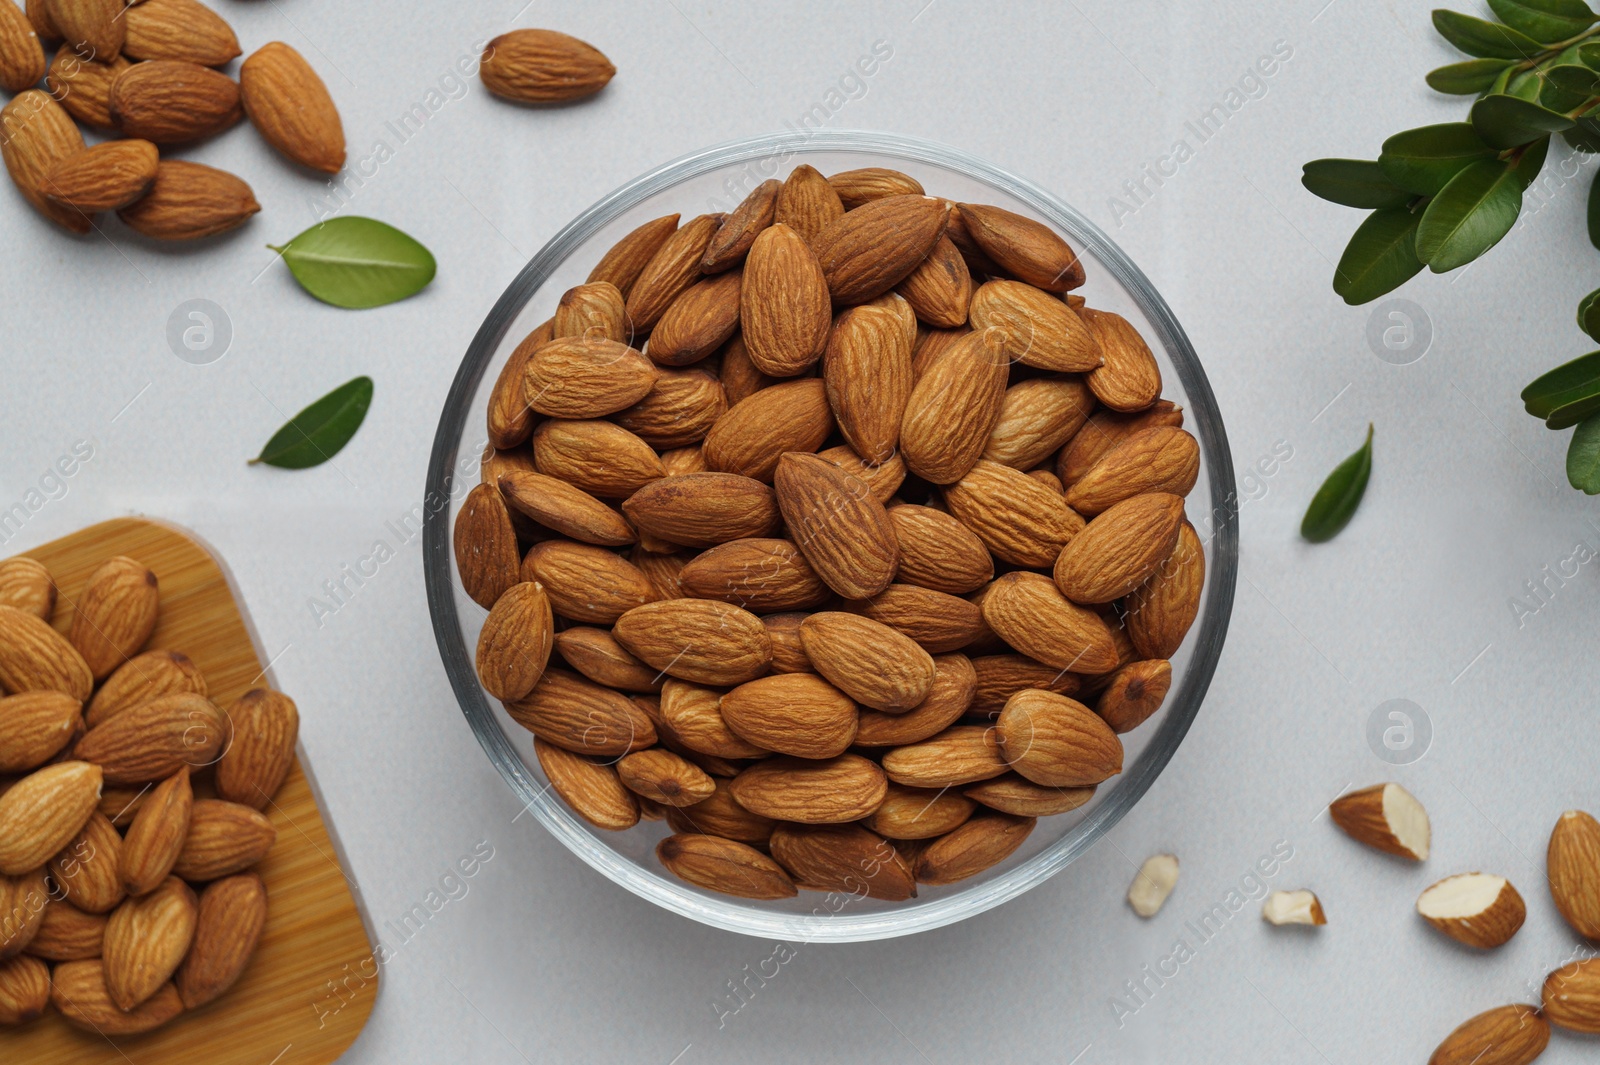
(716, 179)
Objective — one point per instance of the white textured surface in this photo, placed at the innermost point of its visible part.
(543, 960)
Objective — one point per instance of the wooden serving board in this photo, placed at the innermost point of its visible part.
(311, 985)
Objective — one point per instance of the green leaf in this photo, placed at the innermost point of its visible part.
(1594, 212)
(1471, 214)
(1476, 36)
(1424, 160)
(1570, 414)
(1573, 78)
(1584, 136)
(1583, 457)
(317, 433)
(357, 262)
(1381, 256)
(1530, 161)
(1502, 80)
(1465, 79)
(1557, 97)
(1353, 183)
(1524, 86)
(1589, 314)
(1567, 383)
(1336, 501)
(1507, 122)
(1549, 21)
(1589, 54)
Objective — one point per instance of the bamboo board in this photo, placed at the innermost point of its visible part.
(310, 987)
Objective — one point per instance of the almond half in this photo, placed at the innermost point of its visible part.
(1387, 817)
(1477, 909)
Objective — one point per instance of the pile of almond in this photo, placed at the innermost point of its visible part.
(130, 810)
(146, 72)
(835, 531)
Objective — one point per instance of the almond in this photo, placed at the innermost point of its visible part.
(170, 101)
(873, 248)
(35, 727)
(844, 858)
(665, 777)
(1056, 741)
(232, 915)
(120, 803)
(157, 835)
(485, 545)
(1509, 1035)
(1136, 691)
(867, 369)
(704, 509)
(584, 583)
(83, 87)
(732, 240)
(569, 712)
(591, 788)
(697, 640)
(597, 655)
(919, 813)
(571, 511)
(179, 29)
(1013, 794)
(190, 200)
(940, 288)
(959, 755)
(1571, 996)
(1002, 676)
(882, 480)
(721, 815)
(856, 187)
(1572, 864)
(679, 410)
(939, 552)
(846, 788)
(867, 660)
(784, 305)
(23, 899)
(936, 621)
(1039, 329)
(1161, 609)
(725, 866)
(66, 933)
(1019, 519)
(289, 105)
(25, 980)
(39, 17)
(1029, 612)
(1474, 908)
(1037, 417)
(1023, 248)
(266, 725)
(586, 377)
(21, 55)
(543, 67)
(115, 614)
(788, 652)
(224, 838)
(672, 269)
(792, 713)
(954, 407)
(931, 344)
(626, 260)
(146, 939)
(26, 584)
(740, 378)
(984, 841)
(78, 990)
(750, 439)
(514, 644)
(511, 420)
(106, 177)
(1386, 817)
(699, 321)
(1104, 430)
(807, 203)
(143, 678)
(694, 716)
(948, 698)
(43, 812)
(1162, 459)
(88, 869)
(90, 27)
(755, 573)
(595, 310)
(1129, 379)
(833, 518)
(1122, 547)
(35, 135)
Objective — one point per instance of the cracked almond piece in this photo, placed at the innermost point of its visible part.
(1477, 909)
(1152, 884)
(1386, 817)
(1293, 907)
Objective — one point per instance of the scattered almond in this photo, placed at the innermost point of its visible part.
(1477, 909)
(1293, 907)
(1386, 817)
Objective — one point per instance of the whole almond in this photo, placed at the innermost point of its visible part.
(959, 755)
(867, 369)
(88, 869)
(510, 418)
(1002, 676)
(954, 408)
(170, 101)
(1104, 430)
(1029, 612)
(846, 788)
(1056, 741)
(142, 678)
(24, 980)
(867, 660)
(721, 815)
(919, 813)
(115, 614)
(485, 545)
(35, 135)
(90, 27)
(679, 410)
(876, 246)
(843, 858)
(704, 509)
(514, 644)
(23, 899)
(672, 269)
(157, 835)
(665, 777)
(560, 506)
(1019, 519)
(626, 260)
(732, 240)
(78, 990)
(232, 915)
(1023, 248)
(586, 377)
(948, 698)
(1572, 863)
(565, 710)
(833, 518)
(120, 803)
(105, 177)
(1129, 379)
(856, 187)
(34, 727)
(21, 55)
(807, 203)
(725, 866)
(697, 640)
(266, 725)
(792, 713)
(756, 573)
(882, 480)
(83, 86)
(39, 17)
(784, 305)
(146, 940)
(1160, 611)
(984, 841)
(597, 655)
(940, 288)
(1571, 996)
(1040, 330)
(190, 200)
(931, 345)
(750, 438)
(1016, 795)
(740, 377)
(43, 812)
(936, 621)
(66, 933)
(586, 584)
(694, 715)
(179, 29)
(1037, 417)
(595, 310)
(1162, 459)
(699, 321)
(591, 788)
(1120, 549)
(662, 571)
(543, 67)
(224, 838)
(26, 584)
(1509, 1035)
(1136, 691)
(290, 107)
(939, 552)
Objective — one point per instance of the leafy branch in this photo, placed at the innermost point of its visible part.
(1442, 195)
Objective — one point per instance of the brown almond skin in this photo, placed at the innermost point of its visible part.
(595, 309)
(678, 411)
(724, 865)
(87, 870)
(1161, 610)
(1027, 250)
(591, 788)
(78, 991)
(948, 698)
(721, 815)
(485, 546)
(66, 933)
(692, 715)
(873, 248)
(1104, 430)
(1509, 1035)
(882, 480)
(740, 377)
(798, 714)
(510, 418)
(1161, 459)
(1120, 549)
(565, 509)
(570, 712)
(867, 370)
(514, 644)
(750, 439)
(34, 727)
(289, 105)
(23, 898)
(585, 583)
(169, 101)
(940, 288)
(844, 858)
(90, 27)
(936, 621)
(919, 813)
(757, 573)
(189, 201)
(833, 518)
(954, 408)
(1488, 929)
(1029, 612)
(788, 652)
(939, 552)
(24, 980)
(115, 614)
(699, 321)
(1016, 795)
(1129, 379)
(106, 177)
(586, 377)
(1571, 997)
(807, 203)
(142, 678)
(1572, 863)
(83, 87)
(697, 640)
(732, 240)
(1002, 676)
(856, 187)
(1021, 520)
(672, 269)
(846, 788)
(232, 915)
(784, 306)
(21, 55)
(157, 835)
(875, 665)
(1038, 416)
(42, 812)
(224, 838)
(984, 841)
(961, 754)
(266, 725)
(1136, 691)
(35, 135)
(622, 264)
(1040, 330)
(704, 509)
(146, 940)
(39, 17)
(178, 29)
(665, 777)
(26, 584)
(543, 67)
(1056, 741)
(597, 655)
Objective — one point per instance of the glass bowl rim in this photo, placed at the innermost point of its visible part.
(740, 915)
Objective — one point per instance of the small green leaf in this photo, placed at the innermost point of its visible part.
(1589, 314)
(1583, 457)
(1502, 80)
(1507, 122)
(1548, 21)
(1556, 97)
(1523, 86)
(1567, 383)
(357, 262)
(317, 433)
(1336, 501)
(1530, 161)
(1594, 212)
(1353, 183)
(1570, 414)
(1476, 36)
(1477, 208)
(1381, 256)
(1589, 54)
(1573, 78)
(1467, 78)
(1584, 136)
(1424, 160)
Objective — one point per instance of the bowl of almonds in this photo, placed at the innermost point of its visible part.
(829, 535)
